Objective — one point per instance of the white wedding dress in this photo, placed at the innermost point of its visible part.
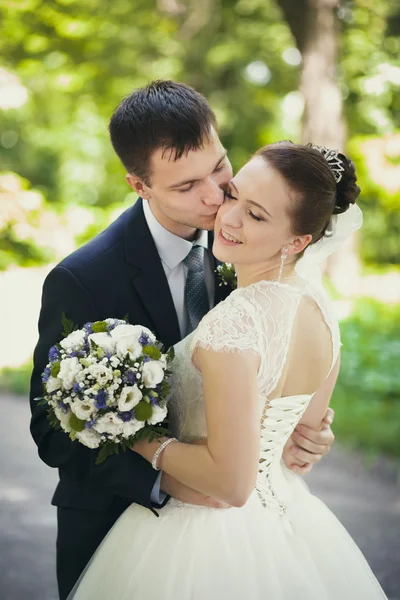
(284, 543)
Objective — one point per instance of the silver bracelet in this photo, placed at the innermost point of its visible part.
(158, 452)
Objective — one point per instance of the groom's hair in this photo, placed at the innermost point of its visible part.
(164, 114)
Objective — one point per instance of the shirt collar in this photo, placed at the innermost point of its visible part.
(171, 248)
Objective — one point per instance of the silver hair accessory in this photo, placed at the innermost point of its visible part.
(332, 158)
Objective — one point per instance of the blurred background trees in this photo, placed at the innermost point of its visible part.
(307, 70)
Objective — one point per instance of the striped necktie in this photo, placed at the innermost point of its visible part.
(196, 295)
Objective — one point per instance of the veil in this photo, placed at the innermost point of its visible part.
(340, 229)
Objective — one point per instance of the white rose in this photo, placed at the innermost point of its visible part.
(69, 369)
(152, 373)
(135, 331)
(128, 345)
(63, 417)
(74, 341)
(83, 409)
(128, 336)
(130, 397)
(103, 340)
(109, 423)
(89, 438)
(131, 427)
(100, 373)
(53, 384)
(158, 415)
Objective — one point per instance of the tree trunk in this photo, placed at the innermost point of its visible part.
(314, 26)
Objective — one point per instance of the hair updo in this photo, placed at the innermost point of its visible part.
(309, 176)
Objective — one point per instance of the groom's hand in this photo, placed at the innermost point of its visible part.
(307, 446)
(181, 492)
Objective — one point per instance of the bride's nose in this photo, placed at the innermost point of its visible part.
(231, 217)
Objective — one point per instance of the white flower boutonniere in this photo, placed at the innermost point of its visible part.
(227, 275)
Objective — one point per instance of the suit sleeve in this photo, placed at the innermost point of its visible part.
(126, 474)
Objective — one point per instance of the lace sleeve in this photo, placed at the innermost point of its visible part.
(230, 326)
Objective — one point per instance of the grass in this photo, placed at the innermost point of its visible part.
(16, 380)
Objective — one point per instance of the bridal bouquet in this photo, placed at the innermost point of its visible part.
(106, 385)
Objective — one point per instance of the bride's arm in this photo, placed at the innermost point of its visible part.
(226, 466)
(316, 410)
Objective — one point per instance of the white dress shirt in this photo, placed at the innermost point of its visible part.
(173, 250)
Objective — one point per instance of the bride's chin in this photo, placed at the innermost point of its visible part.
(222, 253)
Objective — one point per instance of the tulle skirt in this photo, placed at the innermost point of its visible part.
(247, 553)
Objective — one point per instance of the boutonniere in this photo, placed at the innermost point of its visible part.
(227, 275)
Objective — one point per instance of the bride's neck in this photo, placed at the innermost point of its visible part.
(248, 274)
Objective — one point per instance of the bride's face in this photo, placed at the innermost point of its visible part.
(253, 224)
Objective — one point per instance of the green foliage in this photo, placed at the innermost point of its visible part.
(367, 395)
(143, 411)
(16, 380)
(99, 327)
(78, 59)
(152, 351)
(55, 369)
(75, 423)
(67, 324)
(380, 240)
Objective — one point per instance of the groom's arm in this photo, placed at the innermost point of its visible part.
(127, 474)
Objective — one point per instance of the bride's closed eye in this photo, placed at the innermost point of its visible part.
(229, 196)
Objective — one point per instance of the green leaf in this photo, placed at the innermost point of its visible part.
(99, 327)
(152, 351)
(55, 369)
(171, 354)
(76, 424)
(143, 411)
(68, 325)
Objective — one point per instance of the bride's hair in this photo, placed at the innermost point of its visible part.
(317, 195)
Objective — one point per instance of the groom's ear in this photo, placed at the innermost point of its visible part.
(138, 185)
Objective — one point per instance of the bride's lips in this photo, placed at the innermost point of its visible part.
(225, 241)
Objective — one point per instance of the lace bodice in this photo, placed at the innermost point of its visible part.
(260, 318)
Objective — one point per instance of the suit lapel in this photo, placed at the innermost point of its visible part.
(149, 281)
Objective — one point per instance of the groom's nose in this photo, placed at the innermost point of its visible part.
(213, 194)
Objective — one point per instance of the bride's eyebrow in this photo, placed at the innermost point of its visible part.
(251, 201)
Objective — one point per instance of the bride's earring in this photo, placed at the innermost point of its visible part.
(284, 255)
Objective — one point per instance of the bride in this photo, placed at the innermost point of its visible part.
(241, 383)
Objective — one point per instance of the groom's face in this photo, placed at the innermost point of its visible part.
(185, 194)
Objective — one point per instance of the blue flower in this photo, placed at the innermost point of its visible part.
(126, 415)
(88, 327)
(130, 377)
(54, 354)
(46, 375)
(64, 407)
(153, 400)
(144, 339)
(76, 388)
(112, 325)
(101, 399)
(89, 424)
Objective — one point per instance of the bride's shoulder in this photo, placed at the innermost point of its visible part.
(266, 293)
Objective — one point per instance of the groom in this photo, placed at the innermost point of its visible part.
(165, 135)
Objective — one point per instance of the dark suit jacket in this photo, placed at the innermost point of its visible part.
(119, 272)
